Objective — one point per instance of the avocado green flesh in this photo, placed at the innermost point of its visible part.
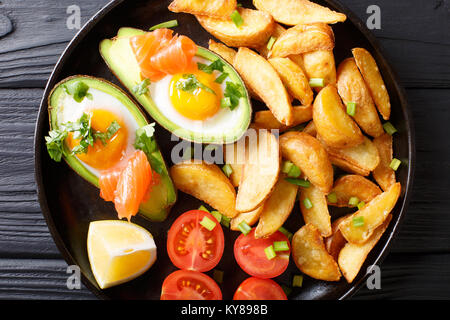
(163, 195)
(120, 58)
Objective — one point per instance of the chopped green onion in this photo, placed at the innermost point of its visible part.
(280, 246)
(316, 82)
(332, 197)
(297, 281)
(270, 252)
(220, 79)
(208, 223)
(225, 103)
(237, 19)
(395, 163)
(389, 128)
(286, 232)
(225, 221)
(358, 221)
(351, 108)
(271, 42)
(307, 203)
(218, 276)
(286, 166)
(167, 24)
(291, 169)
(244, 227)
(361, 205)
(217, 215)
(203, 208)
(299, 182)
(227, 170)
(286, 289)
(353, 201)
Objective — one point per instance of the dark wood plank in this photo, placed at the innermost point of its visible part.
(28, 54)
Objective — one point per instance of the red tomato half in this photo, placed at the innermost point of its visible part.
(193, 247)
(259, 289)
(250, 255)
(190, 285)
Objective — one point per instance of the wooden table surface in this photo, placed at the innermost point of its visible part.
(415, 36)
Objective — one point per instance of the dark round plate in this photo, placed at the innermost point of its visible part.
(69, 203)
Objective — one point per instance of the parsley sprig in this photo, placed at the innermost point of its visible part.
(233, 93)
(189, 83)
(146, 142)
(215, 65)
(78, 90)
(142, 87)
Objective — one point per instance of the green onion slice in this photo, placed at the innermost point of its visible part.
(332, 197)
(217, 215)
(167, 24)
(351, 108)
(361, 205)
(297, 281)
(208, 223)
(299, 182)
(307, 203)
(270, 252)
(358, 221)
(203, 208)
(227, 170)
(389, 128)
(395, 163)
(286, 232)
(271, 42)
(280, 246)
(244, 227)
(317, 82)
(237, 19)
(225, 221)
(353, 201)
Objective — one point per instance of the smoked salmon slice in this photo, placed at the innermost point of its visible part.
(159, 53)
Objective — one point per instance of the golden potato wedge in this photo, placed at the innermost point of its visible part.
(260, 172)
(309, 155)
(250, 218)
(206, 182)
(276, 32)
(213, 8)
(294, 79)
(318, 214)
(265, 119)
(253, 33)
(303, 38)
(333, 124)
(383, 173)
(222, 50)
(352, 88)
(294, 12)
(374, 81)
(320, 64)
(311, 256)
(277, 208)
(235, 156)
(259, 75)
(336, 241)
(311, 129)
(352, 256)
(353, 185)
(361, 159)
(371, 216)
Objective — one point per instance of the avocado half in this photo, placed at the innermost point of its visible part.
(119, 57)
(163, 195)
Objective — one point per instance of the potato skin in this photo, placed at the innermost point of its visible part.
(212, 8)
(354, 186)
(383, 173)
(334, 125)
(310, 156)
(318, 215)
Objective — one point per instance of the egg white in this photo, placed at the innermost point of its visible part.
(71, 110)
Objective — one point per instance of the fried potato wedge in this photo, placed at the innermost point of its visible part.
(352, 88)
(336, 241)
(253, 33)
(249, 218)
(320, 64)
(311, 256)
(265, 119)
(259, 75)
(352, 185)
(222, 50)
(294, 12)
(333, 124)
(372, 216)
(318, 214)
(374, 81)
(260, 172)
(277, 208)
(212, 8)
(361, 159)
(352, 256)
(311, 129)
(206, 182)
(235, 156)
(383, 173)
(303, 38)
(294, 79)
(309, 155)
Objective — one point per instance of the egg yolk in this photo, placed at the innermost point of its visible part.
(103, 156)
(200, 103)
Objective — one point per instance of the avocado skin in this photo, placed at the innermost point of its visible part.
(118, 55)
(162, 196)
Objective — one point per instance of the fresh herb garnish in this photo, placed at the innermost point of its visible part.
(189, 83)
(110, 132)
(146, 142)
(142, 87)
(78, 90)
(55, 144)
(237, 19)
(220, 79)
(233, 92)
(167, 24)
(215, 65)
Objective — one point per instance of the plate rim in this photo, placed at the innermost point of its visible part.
(90, 24)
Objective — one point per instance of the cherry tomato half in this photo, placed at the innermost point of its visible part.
(259, 289)
(192, 246)
(251, 257)
(190, 285)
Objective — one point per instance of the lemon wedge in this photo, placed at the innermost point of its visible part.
(119, 251)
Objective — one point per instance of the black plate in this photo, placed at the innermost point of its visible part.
(69, 203)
